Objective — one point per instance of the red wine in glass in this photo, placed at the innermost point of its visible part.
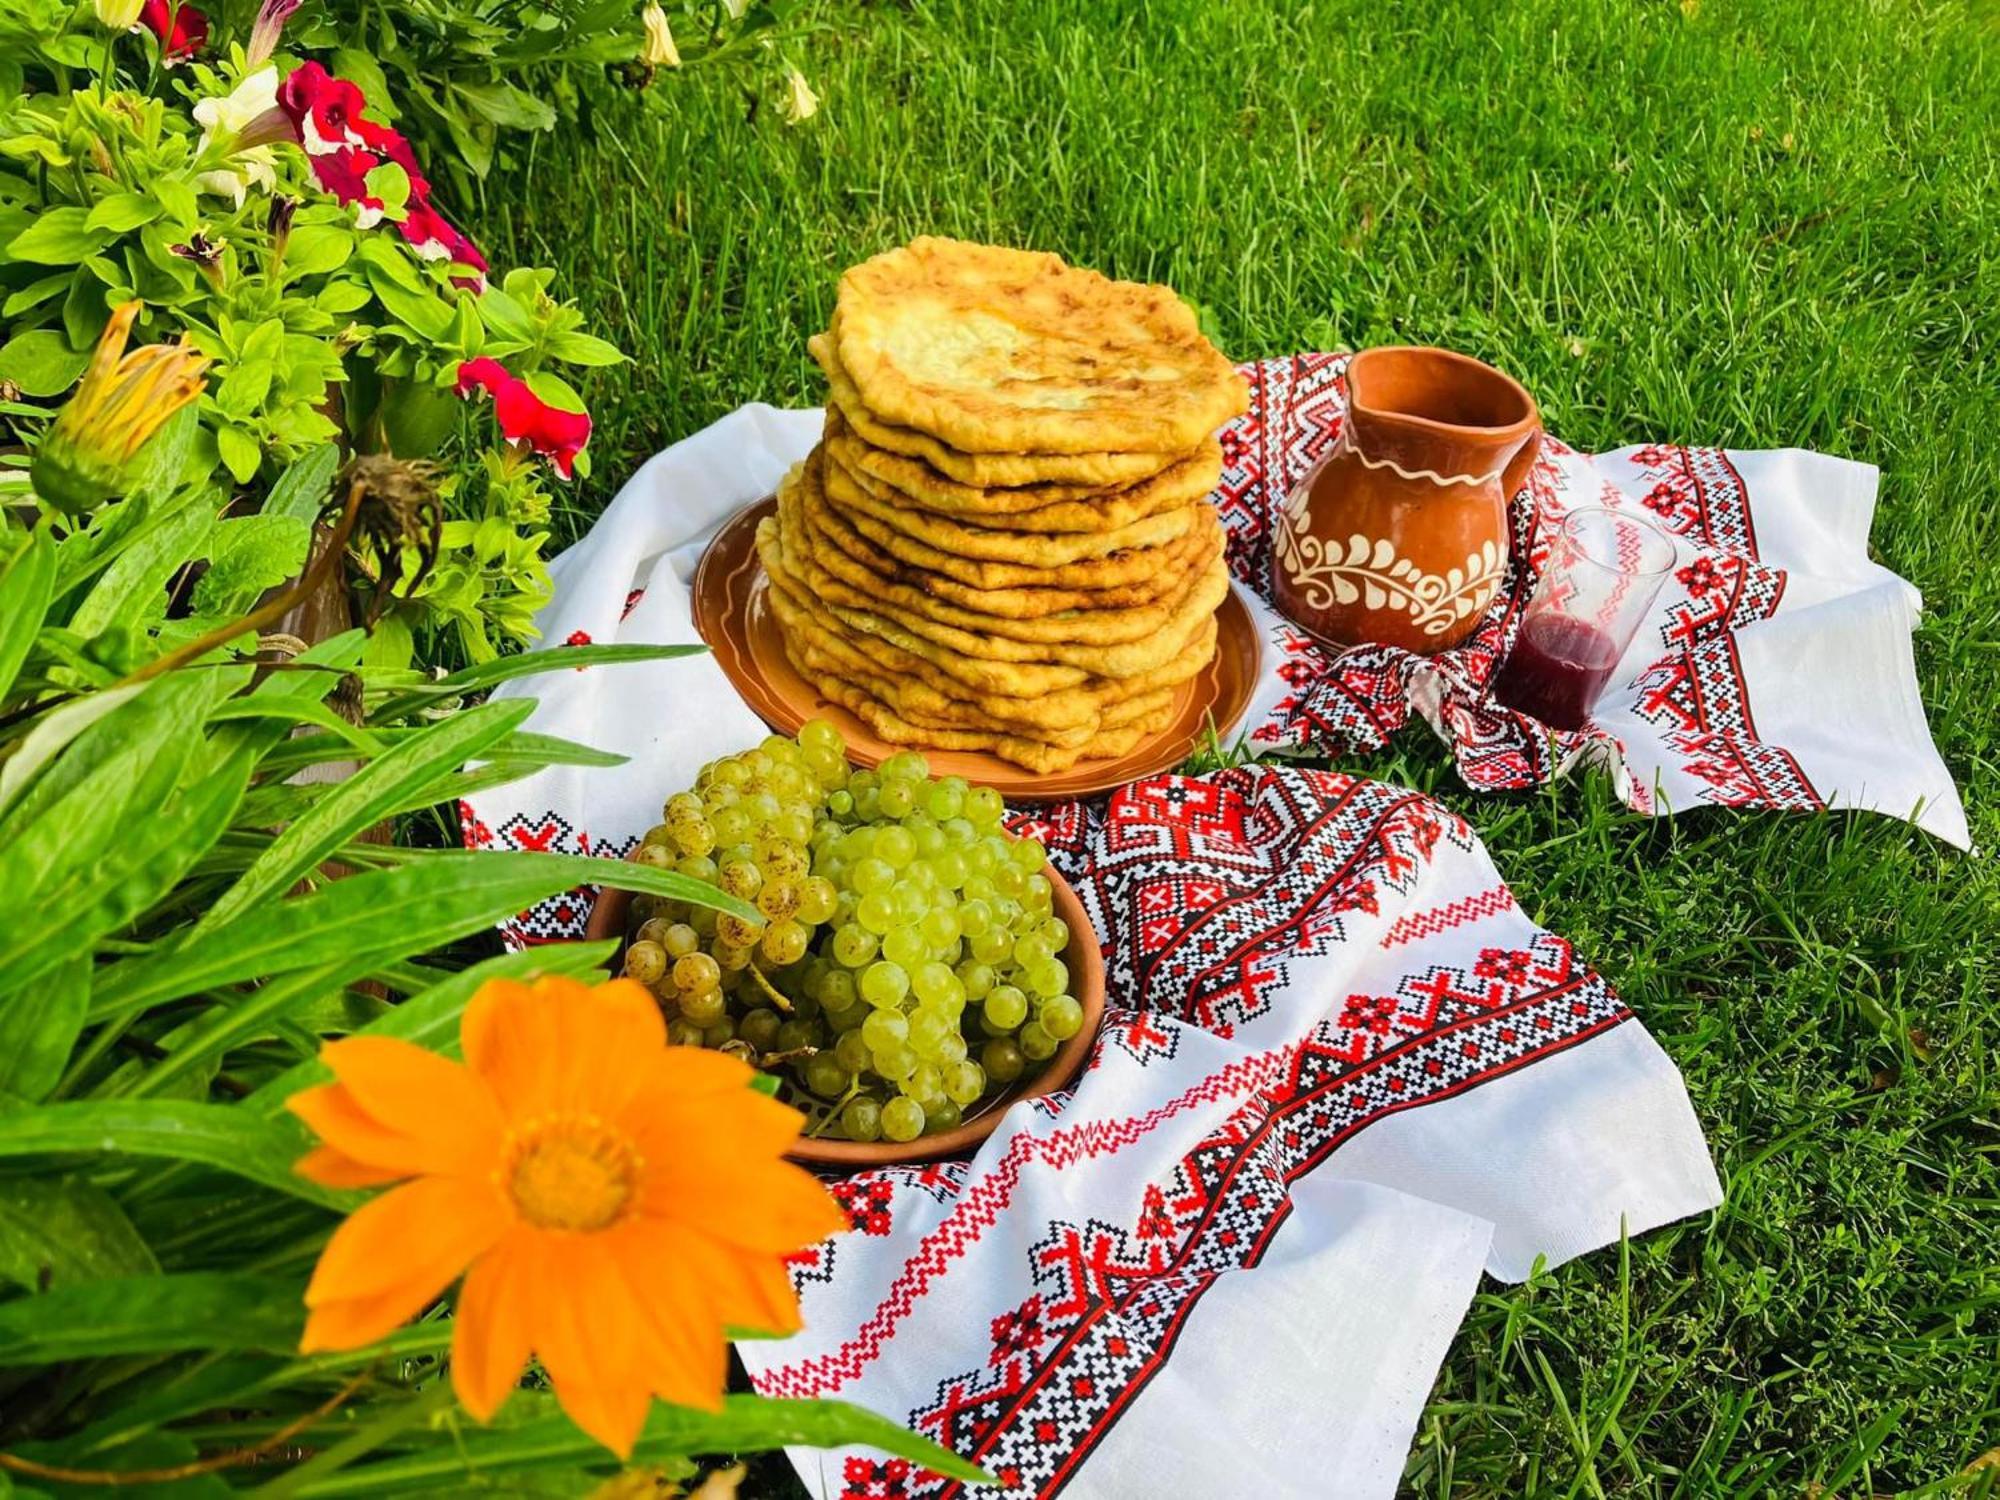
(1557, 669)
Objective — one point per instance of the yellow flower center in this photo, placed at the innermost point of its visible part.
(570, 1172)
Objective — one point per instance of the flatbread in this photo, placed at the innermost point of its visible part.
(850, 556)
(1013, 351)
(894, 479)
(995, 470)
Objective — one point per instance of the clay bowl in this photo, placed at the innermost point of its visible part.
(1086, 967)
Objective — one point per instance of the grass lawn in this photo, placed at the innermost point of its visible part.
(1754, 224)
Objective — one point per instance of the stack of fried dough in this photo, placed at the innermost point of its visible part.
(1003, 541)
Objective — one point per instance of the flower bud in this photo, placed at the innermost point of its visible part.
(88, 453)
(117, 15)
(659, 50)
(800, 102)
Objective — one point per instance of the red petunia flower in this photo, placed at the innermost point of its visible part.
(181, 32)
(524, 417)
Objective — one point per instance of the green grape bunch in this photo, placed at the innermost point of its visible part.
(908, 961)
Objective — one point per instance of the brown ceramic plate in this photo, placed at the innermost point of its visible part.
(732, 611)
(1086, 969)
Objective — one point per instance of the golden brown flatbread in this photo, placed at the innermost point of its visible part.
(996, 470)
(896, 479)
(1013, 351)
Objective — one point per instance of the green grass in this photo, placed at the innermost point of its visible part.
(1760, 224)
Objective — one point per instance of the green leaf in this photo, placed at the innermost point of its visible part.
(415, 307)
(27, 581)
(242, 391)
(746, 1424)
(430, 1017)
(301, 490)
(41, 362)
(59, 1230)
(204, 1310)
(389, 781)
(375, 917)
(315, 249)
(58, 237)
(258, 1148)
(359, 67)
(240, 451)
(506, 105)
(247, 555)
(584, 349)
(62, 725)
(132, 592)
(489, 674)
(389, 185)
(123, 212)
(39, 1025)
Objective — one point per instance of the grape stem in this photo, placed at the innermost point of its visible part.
(833, 1110)
(795, 1055)
(770, 989)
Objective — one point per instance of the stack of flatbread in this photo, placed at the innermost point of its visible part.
(1003, 541)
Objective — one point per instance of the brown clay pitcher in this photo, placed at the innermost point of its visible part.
(1399, 535)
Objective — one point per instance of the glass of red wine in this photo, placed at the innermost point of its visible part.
(1602, 576)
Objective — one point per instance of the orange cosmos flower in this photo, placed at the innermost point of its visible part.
(618, 1201)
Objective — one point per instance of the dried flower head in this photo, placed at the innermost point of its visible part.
(122, 400)
(398, 523)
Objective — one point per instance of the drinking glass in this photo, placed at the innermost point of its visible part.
(1603, 574)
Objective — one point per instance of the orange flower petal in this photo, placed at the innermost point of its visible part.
(490, 1340)
(361, 1321)
(740, 1289)
(768, 1206)
(593, 1343)
(612, 1413)
(688, 1358)
(420, 1234)
(421, 1095)
(738, 1124)
(613, 1034)
(335, 1169)
(511, 1041)
(338, 1119)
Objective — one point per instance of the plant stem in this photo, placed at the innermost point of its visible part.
(364, 1440)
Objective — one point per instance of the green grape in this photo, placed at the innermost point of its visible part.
(680, 940)
(684, 1034)
(930, 838)
(940, 927)
(841, 805)
(853, 945)
(984, 807)
(821, 734)
(785, 943)
(951, 869)
(760, 1029)
(964, 1082)
(946, 798)
(1031, 950)
(703, 1008)
(1005, 1008)
(876, 912)
(652, 930)
(974, 918)
(959, 834)
(825, 1076)
(895, 1064)
(657, 856)
(818, 898)
(1037, 895)
(927, 1028)
(861, 1119)
(924, 1083)
(741, 878)
(895, 847)
(722, 1031)
(952, 1049)
(852, 1049)
(976, 979)
(911, 901)
(787, 781)
(885, 1030)
(778, 900)
(1061, 1016)
(697, 867)
(844, 1018)
(1002, 1060)
(883, 984)
(896, 799)
(794, 824)
(1036, 1043)
(1009, 882)
(905, 763)
(728, 772)
(905, 946)
(994, 946)
(837, 991)
(934, 983)
(682, 807)
(783, 860)
(695, 836)
(1051, 977)
(795, 1034)
(645, 962)
(1054, 932)
(731, 957)
(902, 1119)
(1028, 855)
(730, 825)
(941, 1115)
(696, 971)
(868, 804)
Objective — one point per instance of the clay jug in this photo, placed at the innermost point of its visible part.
(1399, 534)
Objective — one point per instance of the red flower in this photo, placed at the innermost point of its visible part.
(181, 32)
(556, 434)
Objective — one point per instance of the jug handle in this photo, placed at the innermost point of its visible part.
(1516, 473)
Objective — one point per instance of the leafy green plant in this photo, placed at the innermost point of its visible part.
(334, 302)
(191, 913)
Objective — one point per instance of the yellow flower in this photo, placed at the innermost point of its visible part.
(800, 102)
(618, 1201)
(659, 50)
(123, 399)
(118, 15)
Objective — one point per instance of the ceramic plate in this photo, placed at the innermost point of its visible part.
(732, 611)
